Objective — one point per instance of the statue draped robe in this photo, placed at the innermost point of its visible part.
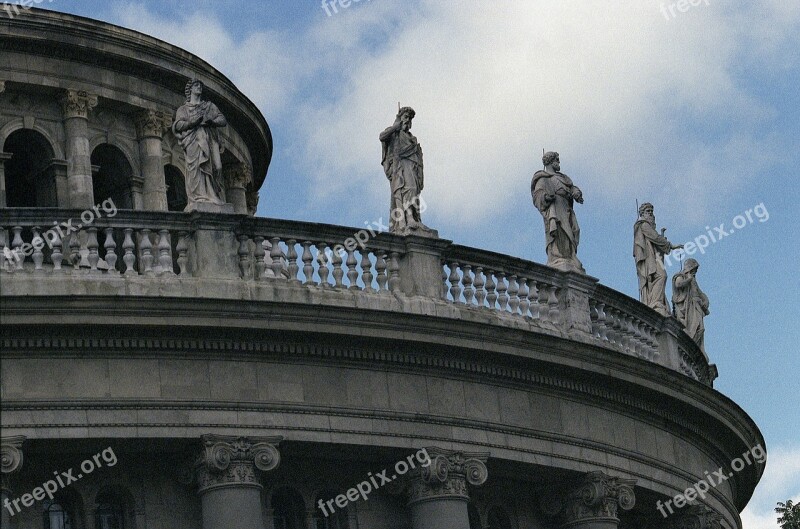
(402, 163)
(561, 228)
(690, 305)
(203, 152)
(649, 249)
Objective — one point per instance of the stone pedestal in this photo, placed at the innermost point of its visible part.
(150, 128)
(421, 267)
(438, 495)
(228, 478)
(76, 106)
(578, 288)
(592, 502)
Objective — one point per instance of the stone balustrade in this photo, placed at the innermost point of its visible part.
(212, 255)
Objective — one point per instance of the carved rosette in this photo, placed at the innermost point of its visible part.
(595, 497)
(238, 176)
(694, 517)
(77, 103)
(11, 455)
(151, 124)
(229, 461)
(447, 476)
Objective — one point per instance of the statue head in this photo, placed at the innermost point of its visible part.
(690, 266)
(193, 86)
(551, 158)
(405, 115)
(646, 212)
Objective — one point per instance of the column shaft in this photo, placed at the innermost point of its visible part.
(76, 106)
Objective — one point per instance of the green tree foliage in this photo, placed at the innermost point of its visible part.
(790, 515)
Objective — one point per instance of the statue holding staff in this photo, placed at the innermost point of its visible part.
(649, 249)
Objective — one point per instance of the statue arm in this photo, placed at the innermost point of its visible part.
(658, 240)
(183, 122)
(214, 117)
(386, 135)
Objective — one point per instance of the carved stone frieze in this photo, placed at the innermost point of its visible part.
(77, 103)
(235, 461)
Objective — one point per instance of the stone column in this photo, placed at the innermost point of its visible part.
(4, 157)
(76, 105)
(237, 177)
(150, 128)
(591, 502)
(438, 495)
(11, 453)
(228, 476)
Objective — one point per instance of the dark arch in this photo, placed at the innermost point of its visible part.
(338, 519)
(288, 509)
(176, 188)
(113, 178)
(64, 511)
(30, 175)
(113, 509)
(498, 519)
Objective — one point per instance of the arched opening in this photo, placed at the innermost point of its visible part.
(338, 519)
(113, 178)
(29, 173)
(176, 188)
(498, 519)
(474, 517)
(113, 509)
(288, 509)
(62, 512)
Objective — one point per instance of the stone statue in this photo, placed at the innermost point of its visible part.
(402, 163)
(689, 303)
(649, 249)
(195, 126)
(553, 195)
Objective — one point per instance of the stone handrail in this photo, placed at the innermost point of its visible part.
(327, 262)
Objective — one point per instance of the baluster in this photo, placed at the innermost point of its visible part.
(181, 248)
(394, 272)
(5, 251)
(338, 273)
(455, 283)
(544, 296)
(16, 245)
(93, 245)
(146, 248)
(267, 247)
(480, 291)
(502, 288)
(259, 255)
(75, 251)
(652, 342)
(641, 347)
(244, 256)
(524, 302)
(629, 334)
(352, 273)
(57, 256)
(308, 263)
(552, 303)
(533, 296)
(466, 280)
(110, 247)
(291, 256)
(445, 288)
(380, 266)
(593, 318)
(322, 257)
(602, 324)
(513, 292)
(619, 338)
(127, 246)
(165, 252)
(38, 243)
(366, 270)
(276, 254)
(491, 293)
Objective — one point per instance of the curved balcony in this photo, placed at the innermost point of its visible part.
(233, 257)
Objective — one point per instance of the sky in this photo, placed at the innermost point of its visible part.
(696, 111)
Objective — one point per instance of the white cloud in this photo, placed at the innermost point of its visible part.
(781, 481)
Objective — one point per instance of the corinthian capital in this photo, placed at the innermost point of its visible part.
(77, 103)
(694, 517)
(448, 475)
(238, 175)
(10, 448)
(151, 124)
(235, 461)
(594, 497)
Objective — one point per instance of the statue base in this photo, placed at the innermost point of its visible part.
(419, 230)
(210, 207)
(566, 265)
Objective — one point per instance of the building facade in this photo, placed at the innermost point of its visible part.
(165, 369)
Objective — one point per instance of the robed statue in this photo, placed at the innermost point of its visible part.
(649, 249)
(689, 303)
(402, 164)
(196, 126)
(554, 195)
